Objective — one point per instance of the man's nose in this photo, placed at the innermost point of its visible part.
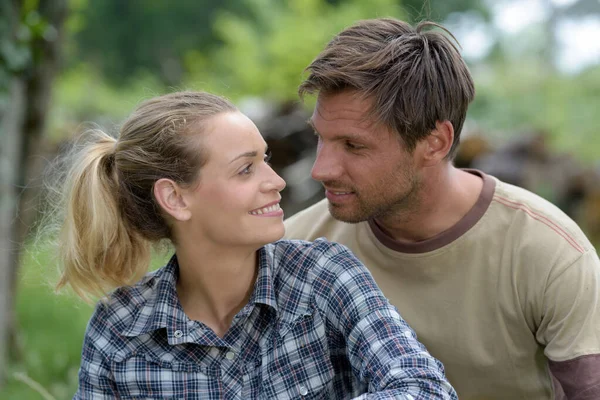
(327, 165)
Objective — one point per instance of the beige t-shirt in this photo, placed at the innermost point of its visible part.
(511, 285)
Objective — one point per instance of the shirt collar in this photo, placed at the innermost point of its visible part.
(158, 305)
(264, 289)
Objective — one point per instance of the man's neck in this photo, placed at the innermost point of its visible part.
(445, 197)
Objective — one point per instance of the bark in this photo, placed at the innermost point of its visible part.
(12, 119)
(23, 123)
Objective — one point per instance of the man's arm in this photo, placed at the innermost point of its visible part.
(578, 378)
(570, 327)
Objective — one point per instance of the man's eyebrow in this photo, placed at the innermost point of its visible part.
(347, 136)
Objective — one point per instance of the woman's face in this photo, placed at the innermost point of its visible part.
(236, 202)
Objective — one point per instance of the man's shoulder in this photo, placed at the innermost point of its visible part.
(537, 217)
(310, 223)
(318, 209)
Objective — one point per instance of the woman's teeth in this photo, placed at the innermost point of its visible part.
(266, 210)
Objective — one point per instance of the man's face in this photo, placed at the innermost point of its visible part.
(365, 169)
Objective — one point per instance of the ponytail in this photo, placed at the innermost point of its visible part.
(106, 209)
(97, 247)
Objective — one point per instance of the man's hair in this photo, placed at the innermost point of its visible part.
(414, 77)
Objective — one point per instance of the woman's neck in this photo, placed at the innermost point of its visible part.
(215, 284)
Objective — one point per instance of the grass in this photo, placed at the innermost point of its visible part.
(51, 330)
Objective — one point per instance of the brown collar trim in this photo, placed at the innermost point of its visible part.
(450, 234)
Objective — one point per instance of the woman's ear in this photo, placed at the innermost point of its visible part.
(169, 196)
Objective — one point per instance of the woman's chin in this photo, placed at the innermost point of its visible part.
(274, 234)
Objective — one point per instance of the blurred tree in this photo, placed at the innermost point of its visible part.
(439, 10)
(30, 37)
(123, 37)
(435, 10)
(265, 51)
(521, 87)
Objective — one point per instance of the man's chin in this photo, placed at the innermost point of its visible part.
(346, 214)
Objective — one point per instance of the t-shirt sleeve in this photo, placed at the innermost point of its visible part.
(381, 347)
(570, 326)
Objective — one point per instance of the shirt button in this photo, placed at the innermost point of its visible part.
(407, 334)
(303, 390)
(178, 334)
(230, 355)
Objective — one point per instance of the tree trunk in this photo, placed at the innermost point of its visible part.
(23, 123)
(12, 120)
(11, 123)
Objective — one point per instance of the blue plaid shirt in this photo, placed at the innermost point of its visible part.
(315, 327)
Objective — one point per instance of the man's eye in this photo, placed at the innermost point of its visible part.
(353, 146)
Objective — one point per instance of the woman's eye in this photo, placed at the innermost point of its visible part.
(247, 170)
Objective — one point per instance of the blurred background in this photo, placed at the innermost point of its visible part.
(66, 65)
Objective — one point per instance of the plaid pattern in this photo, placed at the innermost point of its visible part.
(316, 327)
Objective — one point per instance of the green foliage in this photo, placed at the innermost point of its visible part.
(265, 55)
(82, 96)
(438, 10)
(19, 28)
(511, 98)
(15, 49)
(123, 37)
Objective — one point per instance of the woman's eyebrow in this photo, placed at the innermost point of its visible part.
(248, 154)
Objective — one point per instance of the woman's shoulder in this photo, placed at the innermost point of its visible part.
(300, 271)
(294, 248)
(319, 245)
(122, 306)
(301, 256)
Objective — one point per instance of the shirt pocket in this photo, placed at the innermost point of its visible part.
(145, 376)
(298, 366)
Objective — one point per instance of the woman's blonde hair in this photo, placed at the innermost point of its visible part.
(110, 217)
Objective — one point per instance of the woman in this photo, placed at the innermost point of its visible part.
(235, 313)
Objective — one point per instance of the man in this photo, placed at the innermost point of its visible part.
(499, 284)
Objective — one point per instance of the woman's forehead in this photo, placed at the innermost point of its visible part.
(231, 135)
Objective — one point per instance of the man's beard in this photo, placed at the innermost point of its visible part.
(378, 206)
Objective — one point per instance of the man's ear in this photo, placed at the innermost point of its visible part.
(438, 143)
(169, 196)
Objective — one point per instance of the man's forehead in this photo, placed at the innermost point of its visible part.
(343, 108)
(344, 104)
